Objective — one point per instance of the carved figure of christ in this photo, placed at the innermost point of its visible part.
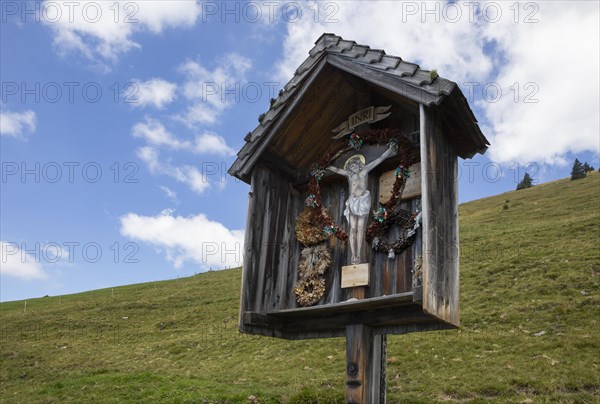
(358, 205)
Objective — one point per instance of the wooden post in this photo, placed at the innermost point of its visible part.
(365, 362)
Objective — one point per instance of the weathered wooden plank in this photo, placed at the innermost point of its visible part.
(248, 267)
(259, 218)
(294, 207)
(417, 251)
(440, 220)
(281, 238)
(266, 247)
(408, 267)
(254, 318)
(366, 304)
(403, 266)
(334, 196)
(376, 272)
(411, 314)
(389, 274)
(334, 274)
(382, 317)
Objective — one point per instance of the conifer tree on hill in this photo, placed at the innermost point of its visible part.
(577, 172)
(526, 182)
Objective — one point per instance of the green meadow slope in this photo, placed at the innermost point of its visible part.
(530, 312)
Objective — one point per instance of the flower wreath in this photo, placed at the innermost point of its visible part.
(387, 214)
(309, 291)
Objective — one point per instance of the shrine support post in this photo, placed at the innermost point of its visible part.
(365, 362)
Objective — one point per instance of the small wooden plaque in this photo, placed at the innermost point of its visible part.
(355, 275)
(411, 190)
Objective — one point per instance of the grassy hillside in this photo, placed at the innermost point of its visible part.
(530, 311)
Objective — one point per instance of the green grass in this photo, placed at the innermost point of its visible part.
(530, 312)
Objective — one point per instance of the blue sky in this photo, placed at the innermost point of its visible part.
(120, 119)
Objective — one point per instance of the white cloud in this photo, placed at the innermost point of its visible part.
(169, 193)
(17, 124)
(105, 30)
(192, 238)
(213, 91)
(211, 143)
(566, 117)
(156, 92)
(559, 54)
(191, 176)
(185, 174)
(149, 155)
(155, 133)
(18, 264)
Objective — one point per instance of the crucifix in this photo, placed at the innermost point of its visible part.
(358, 205)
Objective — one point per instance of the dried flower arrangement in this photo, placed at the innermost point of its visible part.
(314, 261)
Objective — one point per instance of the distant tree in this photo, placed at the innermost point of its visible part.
(525, 183)
(577, 171)
(587, 168)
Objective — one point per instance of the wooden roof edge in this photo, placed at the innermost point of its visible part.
(478, 140)
(431, 92)
(242, 165)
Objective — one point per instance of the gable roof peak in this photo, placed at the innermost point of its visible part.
(328, 39)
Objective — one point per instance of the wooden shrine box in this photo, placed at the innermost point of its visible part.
(417, 290)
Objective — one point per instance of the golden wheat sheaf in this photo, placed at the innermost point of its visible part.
(314, 262)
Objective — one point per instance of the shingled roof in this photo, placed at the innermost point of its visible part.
(374, 66)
